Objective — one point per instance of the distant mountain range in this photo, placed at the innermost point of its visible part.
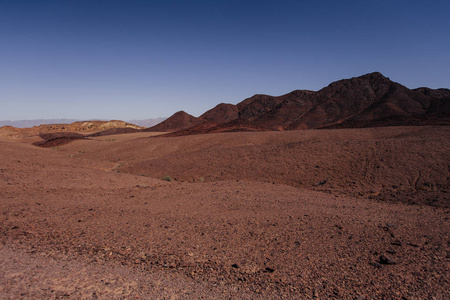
(368, 100)
(37, 122)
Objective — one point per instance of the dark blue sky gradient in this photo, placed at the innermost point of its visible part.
(130, 59)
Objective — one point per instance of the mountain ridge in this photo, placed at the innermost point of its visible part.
(359, 101)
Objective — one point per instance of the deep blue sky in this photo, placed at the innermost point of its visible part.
(136, 59)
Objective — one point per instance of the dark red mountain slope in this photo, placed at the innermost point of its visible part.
(368, 100)
(178, 121)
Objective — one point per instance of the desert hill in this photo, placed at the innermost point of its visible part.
(50, 135)
(79, 126)
(222, 113)
(178, 121)
(356, 102)
(87, 126)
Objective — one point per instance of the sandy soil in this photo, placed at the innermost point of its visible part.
(300, 214)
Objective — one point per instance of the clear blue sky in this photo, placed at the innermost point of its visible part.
(136, 59)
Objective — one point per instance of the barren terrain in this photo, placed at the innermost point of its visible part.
(342, 213)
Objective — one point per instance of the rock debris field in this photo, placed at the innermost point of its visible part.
(313, 214)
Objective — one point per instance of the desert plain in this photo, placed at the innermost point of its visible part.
(303, 214)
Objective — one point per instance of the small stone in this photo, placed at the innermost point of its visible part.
(235, 266)
(386, 261)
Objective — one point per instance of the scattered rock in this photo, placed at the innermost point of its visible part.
(386, 260)
(322, 182)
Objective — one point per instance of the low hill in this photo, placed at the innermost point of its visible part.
(178, 121)
(60, 134)
(86, 126)
(222, 113)
(79, 126)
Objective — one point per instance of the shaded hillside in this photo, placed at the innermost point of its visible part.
(236, 125)
(178, 121)
(223, 112)
(415, 120)
(368, 100)
(113, 131)
(50, 140)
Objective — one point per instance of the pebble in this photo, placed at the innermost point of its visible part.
(386, 260)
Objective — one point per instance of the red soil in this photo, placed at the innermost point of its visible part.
(298, 214)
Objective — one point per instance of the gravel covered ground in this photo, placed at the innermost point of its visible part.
(73, 224)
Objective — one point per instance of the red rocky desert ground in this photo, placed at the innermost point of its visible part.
(339, 213)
